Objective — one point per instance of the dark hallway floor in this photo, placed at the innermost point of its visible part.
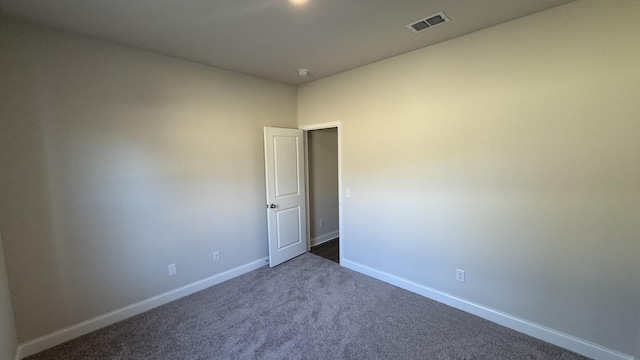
(329, 250)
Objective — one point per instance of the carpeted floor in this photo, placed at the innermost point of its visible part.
(306, 308)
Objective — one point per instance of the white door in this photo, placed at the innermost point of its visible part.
(286, 208)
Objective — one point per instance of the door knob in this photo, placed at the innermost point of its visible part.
(273, 206)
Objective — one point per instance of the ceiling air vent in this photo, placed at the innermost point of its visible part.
(431, 21)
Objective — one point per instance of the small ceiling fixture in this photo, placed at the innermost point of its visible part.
(303, 72)
(428, 22)
(298, 2)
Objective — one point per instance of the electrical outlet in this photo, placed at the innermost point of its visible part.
(172, 269)
(321, 222)
(216, 256)
(460, 275)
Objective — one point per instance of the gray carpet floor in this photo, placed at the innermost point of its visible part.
(306, 308)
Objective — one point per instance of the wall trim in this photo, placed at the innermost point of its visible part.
(71, 332)
(324, 238)
(541, 332)
(320, 126)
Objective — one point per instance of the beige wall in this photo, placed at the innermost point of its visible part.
(117, 162)
(8, 339)
(511, 153)
(323, 184)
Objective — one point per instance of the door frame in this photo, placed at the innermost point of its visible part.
(320, 126)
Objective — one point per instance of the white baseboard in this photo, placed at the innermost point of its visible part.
(58, 337)
(324, 238)
(544, 333)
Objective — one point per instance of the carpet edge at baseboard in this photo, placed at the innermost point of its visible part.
(58, 337)
(530, 328)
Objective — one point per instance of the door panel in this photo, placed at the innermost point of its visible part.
(286, 207)
(288, 227)
(286, 163)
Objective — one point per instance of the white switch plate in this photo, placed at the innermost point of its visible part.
(172, 269)
(460, 275)
(216, 256)
(347, 193)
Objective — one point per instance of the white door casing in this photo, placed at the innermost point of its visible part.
(286, 193)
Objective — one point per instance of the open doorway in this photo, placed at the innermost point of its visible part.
(323, 192)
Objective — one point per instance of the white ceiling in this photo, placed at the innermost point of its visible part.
(272, 38)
